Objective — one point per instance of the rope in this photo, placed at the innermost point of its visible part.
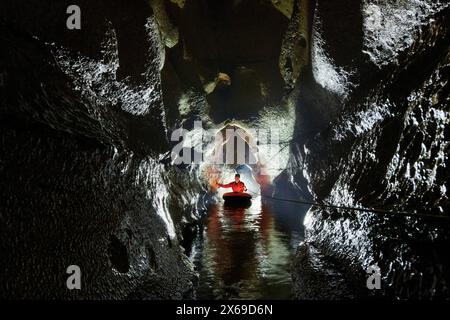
(373, 210)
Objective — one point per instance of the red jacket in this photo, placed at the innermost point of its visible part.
(237, 187)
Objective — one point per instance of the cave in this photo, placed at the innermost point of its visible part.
(354, 95)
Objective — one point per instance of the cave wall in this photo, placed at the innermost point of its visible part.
(84, 180)
(379, 78)
(74, 201)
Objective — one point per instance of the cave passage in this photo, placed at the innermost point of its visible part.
(353, 94)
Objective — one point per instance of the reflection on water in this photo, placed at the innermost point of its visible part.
(246, 253)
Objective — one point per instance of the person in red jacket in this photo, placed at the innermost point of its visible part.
(237, 185)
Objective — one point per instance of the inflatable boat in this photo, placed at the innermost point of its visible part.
(237, 199)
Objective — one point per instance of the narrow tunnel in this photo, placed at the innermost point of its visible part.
(116, 158)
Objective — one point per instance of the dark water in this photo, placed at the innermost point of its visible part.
(246, 253)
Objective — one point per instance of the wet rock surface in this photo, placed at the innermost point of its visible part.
(387, 149)
(83, 139)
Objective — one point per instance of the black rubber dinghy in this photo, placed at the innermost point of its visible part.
(237, 199)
